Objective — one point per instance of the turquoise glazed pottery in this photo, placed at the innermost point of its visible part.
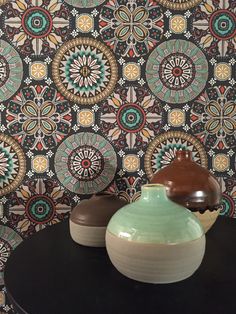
(154, 239)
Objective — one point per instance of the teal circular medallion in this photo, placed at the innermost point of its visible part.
(227, 206)
(85, 163)
(9, 240)
(11, 70)
(37, 22)
(223, 24)
(40, 209)
(131, 118)
(177, 71)
(84, 3)
(85, 70)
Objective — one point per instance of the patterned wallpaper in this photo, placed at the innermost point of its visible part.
(99, 94)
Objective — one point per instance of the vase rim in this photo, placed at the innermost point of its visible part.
(153, 185)
(183, 154)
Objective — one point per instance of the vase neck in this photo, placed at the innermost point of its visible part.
(151, 192)
(183, 155)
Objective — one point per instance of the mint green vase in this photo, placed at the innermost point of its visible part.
(154, 239)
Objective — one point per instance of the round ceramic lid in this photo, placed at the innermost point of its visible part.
(96, 211)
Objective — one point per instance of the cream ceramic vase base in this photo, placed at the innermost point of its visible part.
(155, 263)
(88, 235)
(207, 218)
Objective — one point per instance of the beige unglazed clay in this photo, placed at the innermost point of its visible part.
(155, 263)
(87, 235)
(207, 218)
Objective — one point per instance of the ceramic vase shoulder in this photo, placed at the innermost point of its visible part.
(89, 219)
(155, 240)
(192, 186)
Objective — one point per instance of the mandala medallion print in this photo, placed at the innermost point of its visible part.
(39, 117)
(84, 3)
(131, 28)
(128, 188)
(37, 204)
(161, 151)
(98, 95)
(36, 27)
(130, 117)
(85, 70)
(85, 163)
(213, 117)
(9, 240)
(11, 70)
(228, 206)
(179, 4)
(214, 27)
(12, 164)
(177, 71)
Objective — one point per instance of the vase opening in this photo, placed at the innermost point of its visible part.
(183, 155)
(153, 191)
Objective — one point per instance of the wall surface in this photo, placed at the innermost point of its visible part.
(98, 94)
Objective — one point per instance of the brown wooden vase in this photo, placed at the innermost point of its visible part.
(89, 219)
(192, 186)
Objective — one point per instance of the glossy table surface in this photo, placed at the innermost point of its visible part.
(50, 274)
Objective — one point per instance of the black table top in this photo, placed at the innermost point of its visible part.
(50, 274)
